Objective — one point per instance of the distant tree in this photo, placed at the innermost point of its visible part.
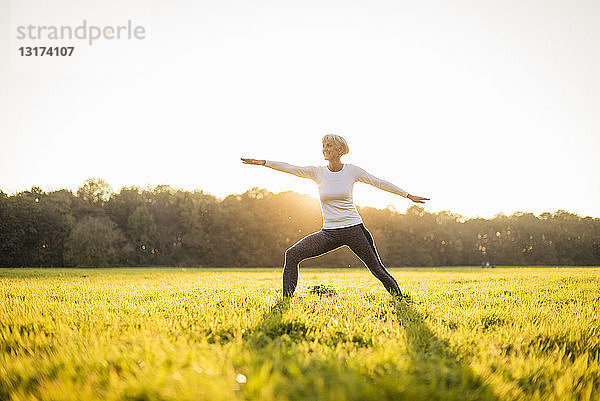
(19, 231)
(164, 212)
(55, 223)
(95, 191)
(196, 225)
(121, 205)
(96, 242)
(141, 229)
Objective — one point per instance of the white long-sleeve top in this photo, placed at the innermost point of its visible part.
(335, 190)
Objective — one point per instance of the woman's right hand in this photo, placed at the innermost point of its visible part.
(253, 161)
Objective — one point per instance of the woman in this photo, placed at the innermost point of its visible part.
(342, 225)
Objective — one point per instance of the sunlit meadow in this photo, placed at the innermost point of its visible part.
(223, 334)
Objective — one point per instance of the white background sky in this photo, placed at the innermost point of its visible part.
(485, 107)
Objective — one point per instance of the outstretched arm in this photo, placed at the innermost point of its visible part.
(300, 171)
(370, 179)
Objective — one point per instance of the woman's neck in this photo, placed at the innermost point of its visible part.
(335, 165)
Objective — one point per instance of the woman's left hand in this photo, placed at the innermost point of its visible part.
(417, 199)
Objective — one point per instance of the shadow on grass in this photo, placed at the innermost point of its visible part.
(272, 327)
(434, 364)
(429, 370)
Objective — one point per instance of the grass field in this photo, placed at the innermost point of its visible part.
(220, 334)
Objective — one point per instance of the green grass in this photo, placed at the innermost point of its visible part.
(220, 334)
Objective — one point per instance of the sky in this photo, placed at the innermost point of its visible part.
(484, 107)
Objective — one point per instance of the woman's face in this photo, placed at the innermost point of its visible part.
(330, 151)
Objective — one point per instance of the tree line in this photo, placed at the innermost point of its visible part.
(162, 226)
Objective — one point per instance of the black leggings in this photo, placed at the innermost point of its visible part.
(357, 238)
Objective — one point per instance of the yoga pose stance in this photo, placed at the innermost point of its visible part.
(342, 225)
